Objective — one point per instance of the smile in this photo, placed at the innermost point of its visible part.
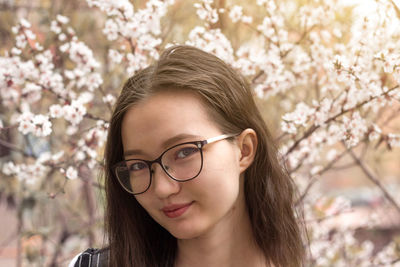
(174, 211)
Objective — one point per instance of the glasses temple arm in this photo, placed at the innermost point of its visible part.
(218, 138)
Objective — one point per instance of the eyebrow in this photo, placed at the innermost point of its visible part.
(166, 144)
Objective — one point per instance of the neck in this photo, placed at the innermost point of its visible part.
(226, 245)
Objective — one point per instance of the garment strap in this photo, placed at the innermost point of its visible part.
(93, 258)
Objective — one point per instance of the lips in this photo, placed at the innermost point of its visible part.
(176, 210)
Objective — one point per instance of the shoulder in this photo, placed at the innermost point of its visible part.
(91, 257)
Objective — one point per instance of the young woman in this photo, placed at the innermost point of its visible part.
(192, 174)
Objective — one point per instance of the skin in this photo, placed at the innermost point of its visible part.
(215, 230)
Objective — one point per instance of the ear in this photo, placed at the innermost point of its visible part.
(247, 143)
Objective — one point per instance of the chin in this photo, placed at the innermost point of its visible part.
(182, 232)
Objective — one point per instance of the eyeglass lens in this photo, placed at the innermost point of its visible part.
(182, 162)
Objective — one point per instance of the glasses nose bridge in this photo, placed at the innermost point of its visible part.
(157, 160)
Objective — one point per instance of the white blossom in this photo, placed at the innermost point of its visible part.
(74, 113)
(212, 41)
(247, 19)
(9, 168)
(56, 111)
(16, 51)
(62, 19)
(55, 27)
(57, 156)
(62, 37)
(20, 41)
(25, 123)
(30, 35)
(64, 48)
(300, 115)
(111, 30)
(109, 98)
(236, 13)
(136, 62)
(206, 12)
(71, 173)
(394, 140)
(114, 56)
(375, 133)
(24, 23)
(42, 125)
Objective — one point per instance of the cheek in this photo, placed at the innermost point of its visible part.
(223, 166)
(218, 182)
(145, 202)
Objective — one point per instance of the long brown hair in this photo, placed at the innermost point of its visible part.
(135, 239)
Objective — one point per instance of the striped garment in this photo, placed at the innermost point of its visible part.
(91, 258)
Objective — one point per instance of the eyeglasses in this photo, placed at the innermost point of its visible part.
(182, 162)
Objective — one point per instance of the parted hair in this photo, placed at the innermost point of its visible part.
(135, 239)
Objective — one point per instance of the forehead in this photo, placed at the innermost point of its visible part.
(163, 115)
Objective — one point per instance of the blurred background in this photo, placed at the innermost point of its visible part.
(46, 223)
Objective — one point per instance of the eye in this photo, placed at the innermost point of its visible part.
(186, 152)
(137, 166)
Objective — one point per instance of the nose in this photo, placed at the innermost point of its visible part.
(163, 185)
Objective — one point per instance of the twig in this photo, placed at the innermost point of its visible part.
(19, 241)
(320, 219)
(62, 239)
(86, 115)
(313, 179)
(104, 94)
(89, 199)
(374, 179)
(305, 192)
(343, 167)
(7, 241)
(391, 117)
(13, 147)
(314, 127)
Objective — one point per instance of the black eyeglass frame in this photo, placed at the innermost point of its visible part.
(149, 163)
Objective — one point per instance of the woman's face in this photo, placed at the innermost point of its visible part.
(192, 208)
